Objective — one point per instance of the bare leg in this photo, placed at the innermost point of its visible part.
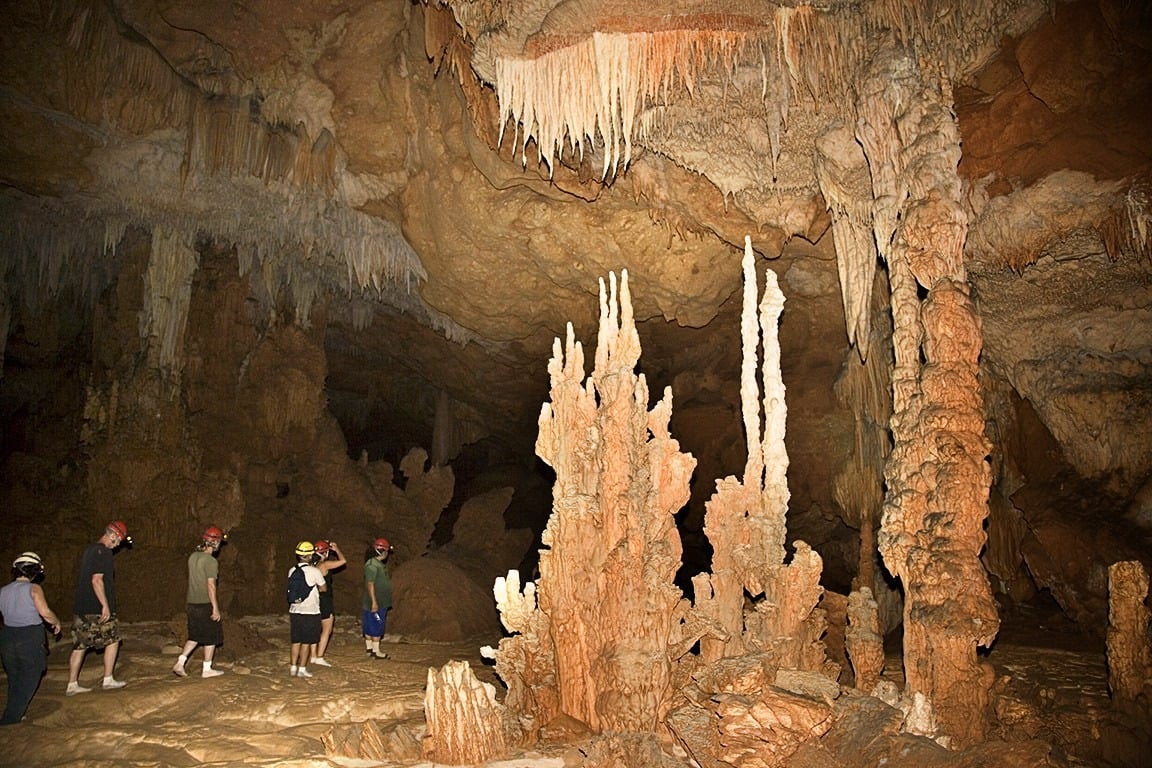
(110, 658)
(75, 662)
(325, 635)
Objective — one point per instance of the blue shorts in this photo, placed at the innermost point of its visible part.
(373, 623)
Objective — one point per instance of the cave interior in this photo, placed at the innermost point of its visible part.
(332, 270)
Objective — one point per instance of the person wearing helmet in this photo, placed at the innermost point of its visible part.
(205, 627)
(377, 597)
(23, 649)
(330, 559)
(304, 616)
(95, 625)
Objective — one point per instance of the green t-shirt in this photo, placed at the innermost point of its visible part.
(376, 573)
(201, 567)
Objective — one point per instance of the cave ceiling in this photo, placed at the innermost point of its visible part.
(365, 161)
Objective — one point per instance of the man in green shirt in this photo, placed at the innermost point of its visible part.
(377, 597)
(204, 620)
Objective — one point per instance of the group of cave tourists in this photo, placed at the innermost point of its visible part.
(26, 613)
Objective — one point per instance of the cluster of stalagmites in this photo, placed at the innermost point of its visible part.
(603, 640)
(604, 648)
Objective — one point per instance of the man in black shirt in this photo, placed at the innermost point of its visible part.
(95, 625)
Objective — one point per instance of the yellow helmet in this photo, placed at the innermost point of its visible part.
(305, 549)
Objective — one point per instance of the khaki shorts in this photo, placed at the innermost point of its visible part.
(88, 632)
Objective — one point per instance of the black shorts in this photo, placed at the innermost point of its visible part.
(201, 628)
(305, 627)
(326, 606)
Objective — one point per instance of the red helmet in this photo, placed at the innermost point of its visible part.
(381, 545)
(322, 547)
(212, 533)
(119, 528)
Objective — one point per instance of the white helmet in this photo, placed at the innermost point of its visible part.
(27, 558)
(28, 565)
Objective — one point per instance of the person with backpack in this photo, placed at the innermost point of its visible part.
(305, 582)
(205, 624)
(377, 597)
(331, 559)
(23, 646)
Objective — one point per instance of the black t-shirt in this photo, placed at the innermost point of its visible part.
(97, 559)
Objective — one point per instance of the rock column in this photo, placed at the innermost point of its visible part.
(938, 479)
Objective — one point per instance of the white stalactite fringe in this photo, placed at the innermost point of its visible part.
(292, 184)
(589, 91)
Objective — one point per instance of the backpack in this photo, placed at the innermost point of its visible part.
(298, 586)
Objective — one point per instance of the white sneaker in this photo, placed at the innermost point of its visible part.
(110, 683)
(320, 661)
(303, 672)
(179, 671)
(210, 672)
(75, 688)
(292, 670)
(378, 655)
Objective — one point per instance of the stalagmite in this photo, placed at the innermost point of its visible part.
(596, 648)
(465, 723)
(1129, 645)
(864, 642)
(739, 710)
(746, 519)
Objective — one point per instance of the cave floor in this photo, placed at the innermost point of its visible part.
(1051, 686)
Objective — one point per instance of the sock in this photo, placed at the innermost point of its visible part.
(375, 646)
(207, 666)
(367, 644)
(182, 660)
(293, 669)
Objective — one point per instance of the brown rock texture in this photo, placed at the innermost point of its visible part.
(1129, 644)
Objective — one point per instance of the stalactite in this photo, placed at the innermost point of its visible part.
(1138, 210)
(842, 172)
(167, 294)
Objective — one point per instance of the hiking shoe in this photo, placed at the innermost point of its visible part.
(75, 688)
(110, 683)
(320, 661)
